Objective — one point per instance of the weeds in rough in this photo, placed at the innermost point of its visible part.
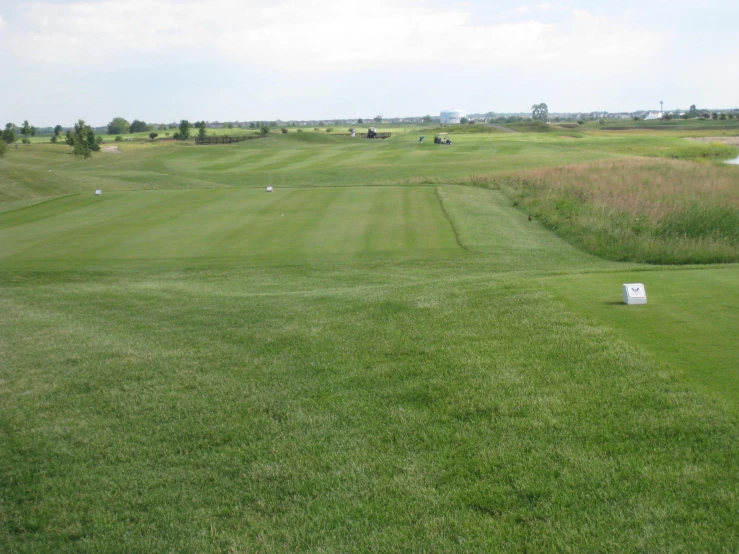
(665, 211)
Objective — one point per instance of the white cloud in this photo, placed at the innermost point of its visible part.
(2, 23)
(326, 35)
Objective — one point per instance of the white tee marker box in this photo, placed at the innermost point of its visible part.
(635, 293)
(269, 189)
(98, 192)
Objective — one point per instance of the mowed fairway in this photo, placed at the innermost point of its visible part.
(191, 228)
(401, 368)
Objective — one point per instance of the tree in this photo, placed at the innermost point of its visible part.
(83, 140)
(693, 111)
(139, 126)
(153, 136)
(540, 112)
(26, 129)
(378, 119)
(58, 130)
(714, 116)
(119, 126)
(426, 119)
(8, 134)
(184, 132)
(264, 130)
(464, 121)
(3, 147)
(360, 121)
(202, 132)
(284, 130)
(230, 125)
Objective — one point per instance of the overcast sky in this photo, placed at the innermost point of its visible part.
(225, 60)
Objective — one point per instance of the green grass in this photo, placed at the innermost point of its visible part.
(191, 364)
(638, 210)
(315, 159)
(688, 323)
(196, 228)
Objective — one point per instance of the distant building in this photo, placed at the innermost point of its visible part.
(452, 117)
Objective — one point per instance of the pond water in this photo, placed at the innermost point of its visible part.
(735, 161)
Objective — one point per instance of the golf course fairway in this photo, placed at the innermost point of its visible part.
(384, 354)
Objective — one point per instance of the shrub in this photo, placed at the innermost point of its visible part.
(153, 136)
(580, 122)
(3, 147)
(264, 130)
(300, 130)
(316, 129)
(119, 138)
(26, 140)
(329, 129)
(284, 130)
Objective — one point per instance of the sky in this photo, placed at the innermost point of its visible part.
(244, 60)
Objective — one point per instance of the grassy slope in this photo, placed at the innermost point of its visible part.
(425, 405)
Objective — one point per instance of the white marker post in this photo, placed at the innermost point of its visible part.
(635, 293)
(269, 189)
(98, 192)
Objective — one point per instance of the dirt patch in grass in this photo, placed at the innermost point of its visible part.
(111, 150)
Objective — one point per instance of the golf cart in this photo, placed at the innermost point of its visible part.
(374, 134)
(442, 138)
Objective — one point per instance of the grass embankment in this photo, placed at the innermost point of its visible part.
(667, 212)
